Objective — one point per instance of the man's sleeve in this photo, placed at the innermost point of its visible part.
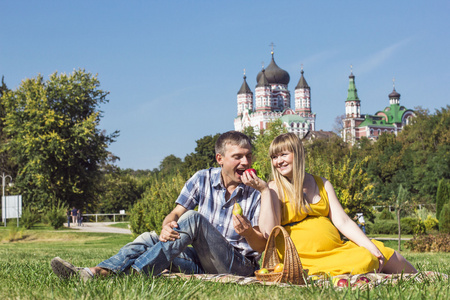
(188, 197)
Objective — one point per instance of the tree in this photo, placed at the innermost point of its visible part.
(401, 201)
(262, 162)
(444, 219)
(119, 192)
(442, 196)
(53, 133)
(204, 156)
(170, 165)
(338, 125)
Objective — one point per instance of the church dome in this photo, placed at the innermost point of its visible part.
(394, 94)
(275, 74)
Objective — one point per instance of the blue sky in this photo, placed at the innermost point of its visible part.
(173, 68)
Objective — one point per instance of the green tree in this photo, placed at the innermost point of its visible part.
(6, 164)
(427, 145)
(350, 181)
(119, 192)
(53, 133)
(204, 156)
(170, 165)
(442, 196)
(402, 199)
(444, 219)
(261, 161)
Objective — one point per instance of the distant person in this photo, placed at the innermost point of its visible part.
(80, 218)
(74, 215)
(68, 217)
(211, 240)
(360, 221)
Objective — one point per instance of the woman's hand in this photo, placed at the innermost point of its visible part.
(251, 179)
(381, 261)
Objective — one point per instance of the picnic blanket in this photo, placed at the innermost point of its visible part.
(354, 281)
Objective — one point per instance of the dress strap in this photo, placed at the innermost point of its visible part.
(323, 193)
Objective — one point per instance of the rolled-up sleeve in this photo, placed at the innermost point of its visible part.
(188, 197)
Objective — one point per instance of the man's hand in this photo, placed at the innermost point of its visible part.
(242, 225)
(167, 232)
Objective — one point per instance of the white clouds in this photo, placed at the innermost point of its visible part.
(379, 58)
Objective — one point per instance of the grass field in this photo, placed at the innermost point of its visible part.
(25, 273)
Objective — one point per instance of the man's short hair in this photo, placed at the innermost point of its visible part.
(233, 138)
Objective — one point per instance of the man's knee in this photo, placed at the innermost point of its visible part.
(147, 238)
(190, 215)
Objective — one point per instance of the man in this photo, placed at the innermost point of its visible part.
(360, 221)
(74, 215)
(221, 242)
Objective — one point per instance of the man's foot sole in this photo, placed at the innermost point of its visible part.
(65, 270)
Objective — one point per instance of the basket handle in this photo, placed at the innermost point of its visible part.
(293, 271)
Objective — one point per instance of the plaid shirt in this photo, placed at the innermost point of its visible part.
(206, 190)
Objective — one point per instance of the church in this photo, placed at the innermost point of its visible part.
(273, 101)
(390, 120)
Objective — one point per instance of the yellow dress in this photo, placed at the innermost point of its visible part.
(319, 245)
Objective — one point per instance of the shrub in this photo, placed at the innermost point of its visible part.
(429, 243)
(444, 219)
(412, 226)
(408, 226)
(56, 216)
(148, 213)
(442, 196)
(385, 227)
(431, 223)
(30, 216)
(386, 215)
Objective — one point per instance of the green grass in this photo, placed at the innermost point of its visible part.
(25, 273)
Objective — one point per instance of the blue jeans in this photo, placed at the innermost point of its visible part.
(210, 252)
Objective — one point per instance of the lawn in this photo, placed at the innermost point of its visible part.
(26, 274)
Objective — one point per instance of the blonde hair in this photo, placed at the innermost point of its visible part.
(292, 190)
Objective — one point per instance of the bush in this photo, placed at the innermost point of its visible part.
(444, 219)
(408, 226)
(429, 243)
(57, 216)
(385, 227)
(386, 215)
(148, 213)
(412, 226)
(30, 216)
(431, 223)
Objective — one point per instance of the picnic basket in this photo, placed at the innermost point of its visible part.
(293, 271)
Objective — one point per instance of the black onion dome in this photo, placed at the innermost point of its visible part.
(245, 89)
(394, 94)
(275, 74)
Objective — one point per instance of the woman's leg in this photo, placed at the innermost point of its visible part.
(398, 264)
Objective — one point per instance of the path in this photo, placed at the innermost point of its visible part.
(99, 227)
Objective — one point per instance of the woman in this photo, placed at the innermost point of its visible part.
(312, 215)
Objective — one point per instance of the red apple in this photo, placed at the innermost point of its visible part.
(363, 279)
(251, 170)
(342, 282)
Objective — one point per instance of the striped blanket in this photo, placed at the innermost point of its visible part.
(361, 281)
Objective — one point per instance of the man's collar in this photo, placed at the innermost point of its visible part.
(216, 178)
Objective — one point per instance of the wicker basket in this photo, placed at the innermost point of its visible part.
(293, 271)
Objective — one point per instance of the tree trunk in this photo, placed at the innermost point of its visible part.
(399, 230)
